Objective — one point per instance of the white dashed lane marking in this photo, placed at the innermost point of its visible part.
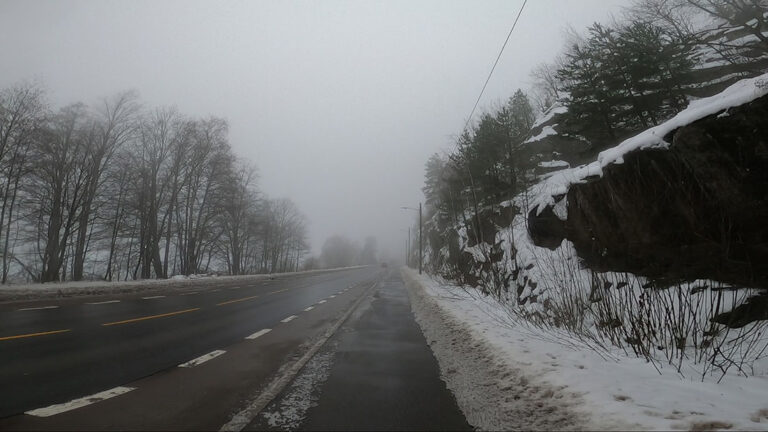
(333, 296)
(78, 403)
(104, 302)
(39, 308)
(202, 359)
(287, 319)
(259, 333)
(190, 293)
(321, 301)
(309, 309)
(153, 297)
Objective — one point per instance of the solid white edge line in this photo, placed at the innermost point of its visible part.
(104, 302)
(78, 403)
(202, 359)
(287, 319)
(308, 308)
(153, 297)
(259, 333)
(38, 308)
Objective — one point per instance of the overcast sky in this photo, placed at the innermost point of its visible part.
(339, 103)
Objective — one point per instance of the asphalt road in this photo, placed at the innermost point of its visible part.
(376, 373)
(53, 352)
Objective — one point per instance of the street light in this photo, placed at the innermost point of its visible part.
(421, 253)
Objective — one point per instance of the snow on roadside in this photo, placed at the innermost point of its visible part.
(506, 375)
(492, 392)
(66, 289)
(291, 409)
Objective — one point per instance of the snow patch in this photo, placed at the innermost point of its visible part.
(290, 411)
(545, 132)
(739, 93)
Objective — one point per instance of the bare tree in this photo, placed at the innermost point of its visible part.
(113, 127)
(22, 112)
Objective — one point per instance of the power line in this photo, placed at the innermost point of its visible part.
(494, 64)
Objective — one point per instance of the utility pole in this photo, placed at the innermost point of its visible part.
(421, 250)
(421, 228)
(408, 249)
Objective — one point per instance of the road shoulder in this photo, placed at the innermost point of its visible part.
(376, 373)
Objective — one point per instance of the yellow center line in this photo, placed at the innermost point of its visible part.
(128, 321)
(275, 292)
(236, 300)
(33, 334)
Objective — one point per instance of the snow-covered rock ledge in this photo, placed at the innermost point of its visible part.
(508, 376)
(85, 288)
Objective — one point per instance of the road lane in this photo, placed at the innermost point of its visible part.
(141, 337)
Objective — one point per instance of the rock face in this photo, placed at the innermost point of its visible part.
(698, 210)
(469, 257)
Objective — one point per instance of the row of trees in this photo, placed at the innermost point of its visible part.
(490, 162)
(620, 78)
(339, 251)
(120, 191)
(614, 81)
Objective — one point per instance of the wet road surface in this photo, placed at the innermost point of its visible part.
(376, 373)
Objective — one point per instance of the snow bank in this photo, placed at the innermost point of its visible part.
(739, 93)
(506, 375)
(493, 392)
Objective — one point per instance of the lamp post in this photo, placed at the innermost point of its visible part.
(421, 244)
(407, 246)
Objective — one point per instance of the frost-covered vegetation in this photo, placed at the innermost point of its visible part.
(642, 75)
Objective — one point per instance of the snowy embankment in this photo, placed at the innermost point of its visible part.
(557, 184)
(508, 375)
(71, 289)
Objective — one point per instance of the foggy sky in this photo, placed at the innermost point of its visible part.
(338, 103)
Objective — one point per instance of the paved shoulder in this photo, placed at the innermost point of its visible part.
(377, 373)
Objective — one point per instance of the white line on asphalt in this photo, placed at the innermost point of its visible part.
(309, 309)
(290, 318)
(237, 287)
(333, 296)
(39, 308)
(240, 420)
(215, 290)
(190, 293)
(104, 302)
(78, 403)
(152, 297)
(321, 301)
(261, 332)
(202, 359)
